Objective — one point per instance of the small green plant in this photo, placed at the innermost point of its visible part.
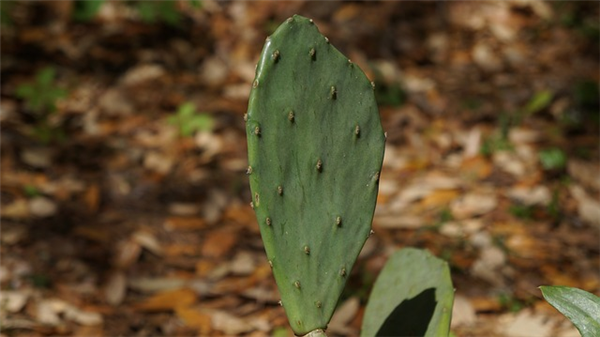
(553, 159)
(41, 95)
(495, 143)
(522, 211)
(315, 150)
(31, 191)
(40, 99)
(540, 101)
(499, 141)
(579, 306)
(156, 11)
(510, 302)
(150, 11)
(188, 121)
(86, 10)
(6, 8)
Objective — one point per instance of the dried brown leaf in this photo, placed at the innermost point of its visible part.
(473, 204)
(18, 209)
(148, 241)
(219, 242)
(13, 301)
(229, 324)
(115, 288)
(196, 319)
(128, 252)
(180, 223)
(167, 300)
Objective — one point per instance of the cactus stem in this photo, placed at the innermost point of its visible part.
(332, 92)
(255, 83)
(268, 221)
(280, 190)
(291, 116)
(297, 284)
(306, 250)
(338, 221)
(319, 165)
(275, 56)
(249, 170)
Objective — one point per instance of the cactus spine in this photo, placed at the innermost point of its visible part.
(315, 149)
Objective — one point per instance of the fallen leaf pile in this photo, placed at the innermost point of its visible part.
(126, 211)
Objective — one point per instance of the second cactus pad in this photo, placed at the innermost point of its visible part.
(315, 150)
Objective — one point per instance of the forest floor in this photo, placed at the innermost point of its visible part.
(124, 203)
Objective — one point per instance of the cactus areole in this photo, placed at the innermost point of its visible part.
(315, 150)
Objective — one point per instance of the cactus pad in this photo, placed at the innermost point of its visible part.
(315, 149)
(412, 296)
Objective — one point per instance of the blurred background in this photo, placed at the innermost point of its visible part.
(124, 203)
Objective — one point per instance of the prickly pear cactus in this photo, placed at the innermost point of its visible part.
(315, 149)
(412, 296)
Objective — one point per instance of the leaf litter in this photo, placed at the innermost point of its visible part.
(115, 223)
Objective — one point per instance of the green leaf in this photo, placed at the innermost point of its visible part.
(538, 102)
(153, 11)
(25, 91)
(41, 95)
(186, 110)
(6, 10)
(45, 76)
(413, 296)
(147, 11)
(169, 13)
(196, 3)
(31, 191)
(580, 307)
(188, 121)
(553, 159)
(85, 10)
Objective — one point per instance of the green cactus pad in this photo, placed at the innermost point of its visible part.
(413, 296)
(315, 149)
